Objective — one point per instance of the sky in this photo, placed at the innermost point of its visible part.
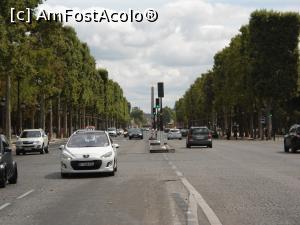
(176, 49)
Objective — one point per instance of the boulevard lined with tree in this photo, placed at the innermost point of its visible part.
(49, 79)
(254, 85)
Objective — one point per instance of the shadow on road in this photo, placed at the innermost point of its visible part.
(289, 153)
(57, 176)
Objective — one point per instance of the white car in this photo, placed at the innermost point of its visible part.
(112, 131)
(88, 152)
(32, 140)
(174, 134)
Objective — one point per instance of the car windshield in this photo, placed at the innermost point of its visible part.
(30, 134)
(200, 131)
(82, 140)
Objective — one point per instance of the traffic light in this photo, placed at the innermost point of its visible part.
(157, 105)
(160, 89)
(154, 111)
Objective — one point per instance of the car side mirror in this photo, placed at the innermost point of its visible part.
(17, 137)
(61, 147)
(116, 146)
(7, 149)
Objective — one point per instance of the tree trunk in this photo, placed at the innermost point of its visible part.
(70, 120)
(42, 113)
(251, 125)
(8, 108)
(269, 121)
(32, 120)
(65, 121)
(83, 119)
(50, 120)
(58, 135)
(261, 135)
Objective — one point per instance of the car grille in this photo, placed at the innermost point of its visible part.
(75, 165)
(28, 142)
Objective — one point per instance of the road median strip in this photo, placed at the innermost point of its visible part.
(156, 147)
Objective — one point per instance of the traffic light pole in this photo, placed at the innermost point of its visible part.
(161, 116)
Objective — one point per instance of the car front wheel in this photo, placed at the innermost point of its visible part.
(286, 148)
(14, 178)
(42, 150)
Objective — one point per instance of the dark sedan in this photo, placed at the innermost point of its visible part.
(135, 133)
(292, 139)
(8, 167)
(199, 136)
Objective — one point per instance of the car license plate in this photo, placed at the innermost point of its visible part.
(200, 137)
(86, 164)
(27, 148)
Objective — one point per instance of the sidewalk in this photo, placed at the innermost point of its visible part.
(278, 138)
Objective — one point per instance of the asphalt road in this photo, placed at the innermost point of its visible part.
(234, 183)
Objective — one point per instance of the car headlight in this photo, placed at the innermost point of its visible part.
(107, 155)
(37, 142)
(66, 156)
(18, 142)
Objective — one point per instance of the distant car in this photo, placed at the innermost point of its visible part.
(184, 132)
(292, 139)
(88, 152)
(32, 140)
(112, 131)
(135, 133)
(174, 134)
(8, 167)
(199, 136)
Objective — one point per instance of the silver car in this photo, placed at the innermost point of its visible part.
(174, 134)
(88, 152)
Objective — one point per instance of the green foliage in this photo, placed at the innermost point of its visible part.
(48, 58)
(138, 116)
(259, 69)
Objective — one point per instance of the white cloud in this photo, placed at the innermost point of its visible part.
(175, 49)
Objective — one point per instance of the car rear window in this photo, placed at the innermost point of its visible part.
(298, 130)
(174, 131)
(199, 131)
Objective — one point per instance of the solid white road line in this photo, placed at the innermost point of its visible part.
(209, 213)
(194, 194)
(25, 194)
(4, 205)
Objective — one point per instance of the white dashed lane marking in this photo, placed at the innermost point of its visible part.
(25, 194)
(4, 205)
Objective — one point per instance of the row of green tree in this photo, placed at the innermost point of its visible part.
(49, 79)
(254, 83)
